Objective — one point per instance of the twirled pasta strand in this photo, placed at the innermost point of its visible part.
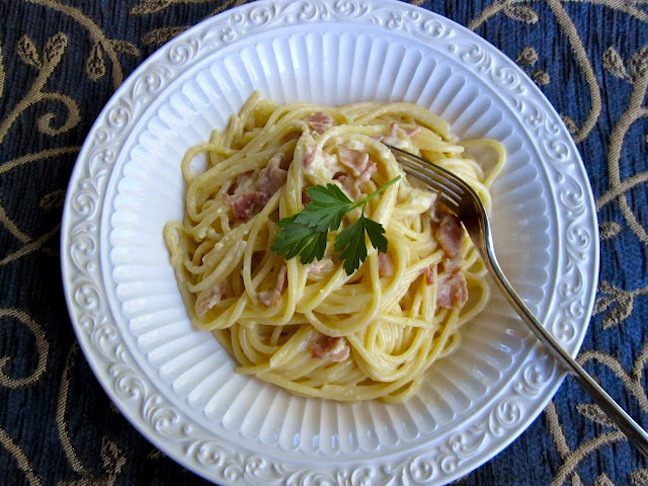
(270, 314)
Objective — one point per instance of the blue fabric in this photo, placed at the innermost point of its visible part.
(57, 426)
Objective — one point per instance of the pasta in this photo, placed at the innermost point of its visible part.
(311, 328)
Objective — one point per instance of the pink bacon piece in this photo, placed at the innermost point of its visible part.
(331, 348)
(246, 204)
(272, 177)
(355, 160)
(251, 194)
(309, 157)
(385, 267)
(412, 132)
(354, 185)
(452, 291)
(319, 122)
(319, 268)
(393, 137)
(208, 299)
(450, 235)
(428, 273)
(452, 287)
(361, 170)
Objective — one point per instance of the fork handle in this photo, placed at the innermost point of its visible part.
(623, 421)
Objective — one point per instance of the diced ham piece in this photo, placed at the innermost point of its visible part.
(393, 134)
(393, 137)
(450, 234)
(355, 160)
(348, 184)
(452, 288)
(319, 122)
(385, 267)
(246, 204)
(272, 176)
(452, 291)
(361, 170)
(309, 157)
(252, 193)
(331, 348)
(365, 176)
(208, 299)
(436, 212)
(428, 272)
(319, 268)
(353, 185)
(271, 298)
(412, 132)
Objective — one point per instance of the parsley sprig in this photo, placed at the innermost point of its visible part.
(305, 233)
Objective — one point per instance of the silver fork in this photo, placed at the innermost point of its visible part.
(461, 199)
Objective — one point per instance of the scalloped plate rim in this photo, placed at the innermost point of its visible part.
(79, 167)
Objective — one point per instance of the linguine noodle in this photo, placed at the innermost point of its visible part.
(311, 328)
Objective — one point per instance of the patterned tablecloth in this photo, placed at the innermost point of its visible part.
(60, 60)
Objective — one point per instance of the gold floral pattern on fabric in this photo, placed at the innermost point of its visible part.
(58, 56)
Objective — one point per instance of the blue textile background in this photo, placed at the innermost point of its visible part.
(57, 426)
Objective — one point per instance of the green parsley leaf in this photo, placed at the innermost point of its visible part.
(298, 239)
(350, 243)
(326, 209)
(376, 234)
(305, 233)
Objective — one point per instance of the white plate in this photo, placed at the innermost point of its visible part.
(178, 387)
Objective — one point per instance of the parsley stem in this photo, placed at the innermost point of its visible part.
(362, 202)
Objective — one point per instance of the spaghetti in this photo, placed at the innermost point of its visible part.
(311, 328)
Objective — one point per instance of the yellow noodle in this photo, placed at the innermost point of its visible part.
(390, 324)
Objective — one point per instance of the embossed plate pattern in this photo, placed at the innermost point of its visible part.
(178, 387)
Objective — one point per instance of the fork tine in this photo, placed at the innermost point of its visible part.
(448, 196)
(436, 172)
(435, 177)
(439, 178)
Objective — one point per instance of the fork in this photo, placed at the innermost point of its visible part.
(462, 200)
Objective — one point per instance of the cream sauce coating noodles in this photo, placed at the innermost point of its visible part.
(312, 329)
